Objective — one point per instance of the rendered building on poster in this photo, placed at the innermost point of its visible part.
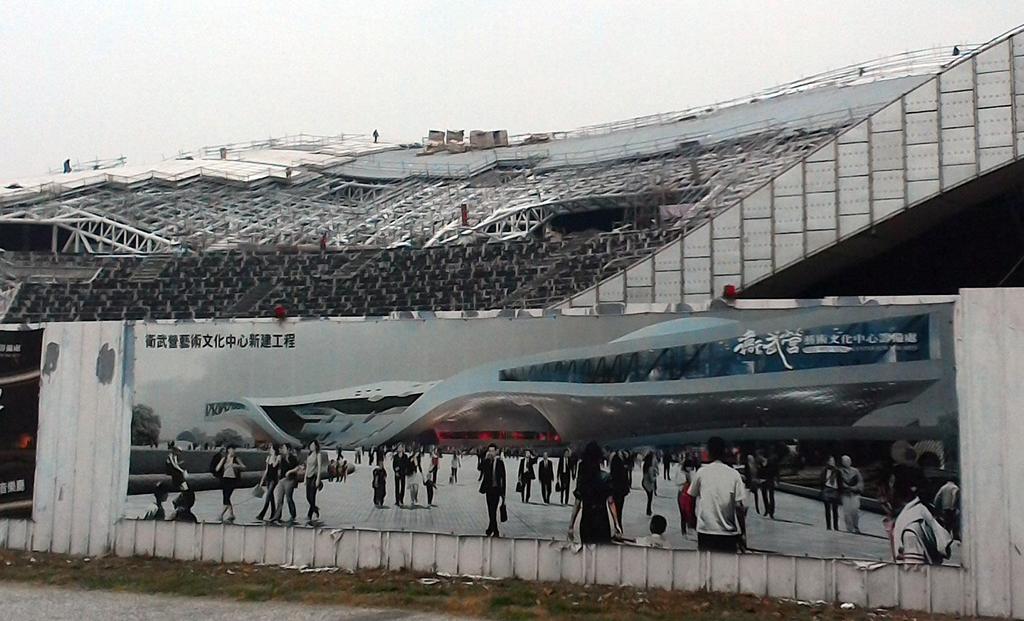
(858, 373)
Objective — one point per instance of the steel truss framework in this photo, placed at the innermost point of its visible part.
(205, 215)
(219, 204)
(93, 233)
(703, 181)
(956, 128)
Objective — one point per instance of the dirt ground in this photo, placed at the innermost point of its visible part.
(473, 597)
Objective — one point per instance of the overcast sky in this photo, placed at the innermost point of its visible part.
(85, 79)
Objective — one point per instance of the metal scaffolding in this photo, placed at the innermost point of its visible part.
(351, 191)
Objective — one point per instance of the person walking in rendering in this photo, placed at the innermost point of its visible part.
(454, 478)
(314, 482)
(851, 487)
(288, 477)
(181, 505)
(413, 477)
(769, 476)
(431, 487)
(546, 475)
(492, 486)
(830, 493)
(176, 471)
(230, 469)
(594, 501)
(430, 481)
(565, 476)
(399, 464)
(719, 492)
(686, 502)
(619, 470)
(650, 480)
(269, 482)
(215, 464)
(435, 465)
(344, 469)
(380, 482)
(526, 476)
(753, 476)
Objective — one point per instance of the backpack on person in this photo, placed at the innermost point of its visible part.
(926, 538)
(216, 465)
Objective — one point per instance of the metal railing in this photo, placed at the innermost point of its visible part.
(299, 142)
(661, 146)
(93, 164)
(897, 65)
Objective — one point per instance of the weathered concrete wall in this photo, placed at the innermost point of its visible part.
(83, 441)
(82, 469)
(990, 387)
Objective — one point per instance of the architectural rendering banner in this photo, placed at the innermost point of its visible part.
(828, 431)
(19, 419)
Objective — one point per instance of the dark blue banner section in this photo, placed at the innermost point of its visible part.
(19, 419)
(901, 339)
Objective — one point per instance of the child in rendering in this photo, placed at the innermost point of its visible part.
(380, 478)
(657, 537)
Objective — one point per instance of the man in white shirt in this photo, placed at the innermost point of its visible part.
(719, 493)
(918, 537)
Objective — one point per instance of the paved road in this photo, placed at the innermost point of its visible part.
(799, 527)
(35, 603)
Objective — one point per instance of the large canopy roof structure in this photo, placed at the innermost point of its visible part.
(769, 196)
(357, 192)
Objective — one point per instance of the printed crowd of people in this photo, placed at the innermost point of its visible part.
(714, 486)
(283, 471)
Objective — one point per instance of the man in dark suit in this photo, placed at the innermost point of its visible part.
(400, 464)
(565, 475)
(546, 474)
(492, 486)
(526, 475)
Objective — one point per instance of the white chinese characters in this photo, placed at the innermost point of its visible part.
(12, 487)
(775, 343)
(789, 343)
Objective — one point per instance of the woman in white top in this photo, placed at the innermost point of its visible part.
(454, 478)
(851, 489)
(650, 480)
(231, 470)
(314, 468)
(413, 477)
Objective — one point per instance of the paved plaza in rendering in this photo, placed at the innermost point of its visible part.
(799, 527)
